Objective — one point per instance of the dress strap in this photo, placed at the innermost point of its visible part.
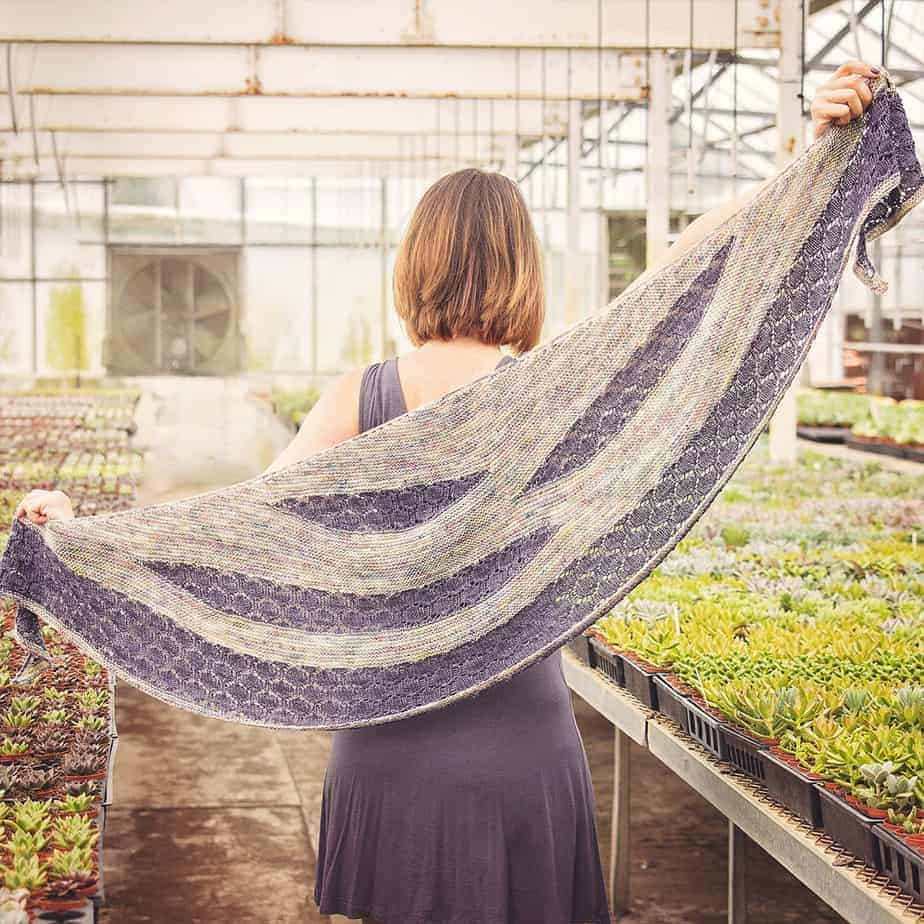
(380, 395)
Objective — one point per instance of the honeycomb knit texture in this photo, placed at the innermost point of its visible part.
(448, 548)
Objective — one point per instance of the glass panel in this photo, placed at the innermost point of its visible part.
(15, 328)
(349, 310)
(277, 317)
(68, 245)
(210, 210)
(71, 319)
(15, 231)
(279, 211)
(144, 210)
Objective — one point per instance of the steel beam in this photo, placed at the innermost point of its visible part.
(659, 159)
(476, 23)
(100, 69)
(280, 114)
(790, 141)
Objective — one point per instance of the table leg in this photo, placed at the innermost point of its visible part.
(737, 875)
(620, 832)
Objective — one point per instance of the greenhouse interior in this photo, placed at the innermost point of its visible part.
(222, 227)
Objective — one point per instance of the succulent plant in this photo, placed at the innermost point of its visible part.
(24, 843)
(82, 787)
(57, 716)
(71, 862)
(9, 747)
(92, 722)
(81, 761)
(71, 884)
(31, 814)
(26, 873)
(27, 704)
(91, 699)
(92, 668)
(76, 803)
(32, 779)
(883, 788)
(74, 831)
(49, 738)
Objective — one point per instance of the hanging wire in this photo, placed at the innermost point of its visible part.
(10, 86)
(545, 182)
(734, 149)
(689, 108)
(516, 119)
(882, 37)
(475, 149)
(690, 84)
(600, 99)
(802, 60)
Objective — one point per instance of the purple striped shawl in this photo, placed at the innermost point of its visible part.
(430, 557)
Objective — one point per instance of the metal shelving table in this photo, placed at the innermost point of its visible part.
(857, 893)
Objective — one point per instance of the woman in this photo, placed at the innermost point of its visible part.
(481, 812)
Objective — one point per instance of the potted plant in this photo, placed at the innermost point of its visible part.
(83, 763)
(11, 750)
(80, 803)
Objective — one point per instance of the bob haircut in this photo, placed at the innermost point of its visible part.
(470, 264)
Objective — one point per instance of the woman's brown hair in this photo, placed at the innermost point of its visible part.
(470, 264)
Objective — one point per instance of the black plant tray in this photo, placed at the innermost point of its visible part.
(914, 453)
(671, 702)
(882, 449)
(640, 682)
(901, 863)
(606, 661)
(704, 728)
(743, 752)
(791, 788)
(580, 645)
(823, 434)
(850, 828)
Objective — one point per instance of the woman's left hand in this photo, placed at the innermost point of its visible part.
(41, 506)
(844, 97)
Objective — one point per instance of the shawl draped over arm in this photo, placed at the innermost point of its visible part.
(432, 556)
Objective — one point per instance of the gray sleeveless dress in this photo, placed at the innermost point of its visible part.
(479, 812)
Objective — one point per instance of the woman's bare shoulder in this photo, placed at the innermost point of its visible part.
(333, 419)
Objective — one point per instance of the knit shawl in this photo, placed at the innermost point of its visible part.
(443, 551)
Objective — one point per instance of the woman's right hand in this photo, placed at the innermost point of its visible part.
(845, 96)
(40, 506)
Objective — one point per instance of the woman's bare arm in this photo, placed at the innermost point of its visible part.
(333, 419)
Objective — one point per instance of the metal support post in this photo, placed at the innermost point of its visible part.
(620, 833)
(573, 239)
(657, 219)
(789, 144)
(737, 875)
